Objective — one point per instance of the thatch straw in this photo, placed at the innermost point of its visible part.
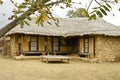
(69, 27)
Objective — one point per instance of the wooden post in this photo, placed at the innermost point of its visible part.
(68, 60)
(22, 41)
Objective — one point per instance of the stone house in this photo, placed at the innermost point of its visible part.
(95, 39)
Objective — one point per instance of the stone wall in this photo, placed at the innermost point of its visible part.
(5, 45)
(14, 45)
(107, 48)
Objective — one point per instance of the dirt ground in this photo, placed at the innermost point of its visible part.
(11, 69)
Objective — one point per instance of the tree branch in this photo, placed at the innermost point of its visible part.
(12, 24)
(54, 3)
(97, 2)
(89, 5)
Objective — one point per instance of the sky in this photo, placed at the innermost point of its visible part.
(7, 8)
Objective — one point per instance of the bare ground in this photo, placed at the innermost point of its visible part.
(11, 69)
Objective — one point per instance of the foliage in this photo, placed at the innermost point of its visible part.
(103, 8)
(81, 12)
(24, 10)
(44, 12)
(33, 6)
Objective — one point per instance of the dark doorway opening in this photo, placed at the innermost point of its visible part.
(74, 45)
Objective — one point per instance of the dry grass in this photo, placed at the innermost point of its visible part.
(11, 69)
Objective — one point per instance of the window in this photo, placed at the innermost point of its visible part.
(56, 46)
(33, 44)
(86, 45)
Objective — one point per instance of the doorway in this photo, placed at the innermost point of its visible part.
(74, 45)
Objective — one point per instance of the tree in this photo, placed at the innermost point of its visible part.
(32, 6)
(81, 12)
(24, 10)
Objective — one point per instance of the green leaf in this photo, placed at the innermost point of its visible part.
(21, 24)
(22, 6)
(15, 16)
(92, 17)
(103, 11)
(49, 22)
(31, 12)
(12, 1)
(108, 5)
(41, 23)
(18, 12)
(62, 7)
(26, 23)
(56, 24)
(43, 17)
(67, 5)
(57, 20)
(106, 8)
(38, 19)
(10, 18)
(99, 14)
(28, 18)
(26, 4)
(14, 10)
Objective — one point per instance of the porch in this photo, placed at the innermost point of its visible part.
(37, 53)
(35, 45)
(71, 58)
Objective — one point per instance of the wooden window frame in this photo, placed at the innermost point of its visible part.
(58, 42)
(33, 41)
(85, 46)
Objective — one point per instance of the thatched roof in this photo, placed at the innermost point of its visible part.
(69, 27)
